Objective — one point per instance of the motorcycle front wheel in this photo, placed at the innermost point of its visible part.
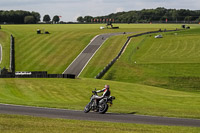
(103, 108)
(87, 108)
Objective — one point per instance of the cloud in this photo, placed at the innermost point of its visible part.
(119, 9)
(69, 9)
(75, 17)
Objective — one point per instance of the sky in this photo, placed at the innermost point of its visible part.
(71, 9)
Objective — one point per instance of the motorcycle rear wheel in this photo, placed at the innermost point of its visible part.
(103, 108)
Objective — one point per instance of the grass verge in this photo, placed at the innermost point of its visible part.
(4, 41)
(27, 124)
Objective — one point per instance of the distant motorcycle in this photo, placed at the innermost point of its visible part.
(100, 106)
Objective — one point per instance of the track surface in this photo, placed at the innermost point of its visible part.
(109, 117)
(84, 57)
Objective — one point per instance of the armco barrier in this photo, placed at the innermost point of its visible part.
(12, 54)
(102, 73)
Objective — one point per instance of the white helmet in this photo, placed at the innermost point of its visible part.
(107, 86)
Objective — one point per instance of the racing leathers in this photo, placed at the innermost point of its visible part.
(106, 93)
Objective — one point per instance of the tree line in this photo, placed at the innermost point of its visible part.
(25, 17)
(19, 17)
(47, 19)
(159, 14)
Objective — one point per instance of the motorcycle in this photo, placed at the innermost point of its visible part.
(100, 106)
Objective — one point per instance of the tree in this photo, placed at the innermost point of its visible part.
(29, 20)
(46, 18)
(36, 16)
(17, 17)
(198, 20)
(188, 19)
(56, 19)
(80, 19)
(174, 15)
(88, 18)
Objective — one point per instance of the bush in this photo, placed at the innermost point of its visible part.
(29, 20)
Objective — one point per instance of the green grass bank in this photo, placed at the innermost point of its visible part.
(75, 94)
(55, 51)
(171, 62)
(27, 124)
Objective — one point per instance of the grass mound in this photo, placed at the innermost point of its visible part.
(55, 51)
(171, 62)
(75, 94)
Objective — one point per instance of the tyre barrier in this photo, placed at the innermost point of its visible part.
(38, 76)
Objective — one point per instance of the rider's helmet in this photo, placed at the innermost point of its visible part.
(107, 86)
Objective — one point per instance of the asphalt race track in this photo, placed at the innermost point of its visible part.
(91, 116)
(84, 57)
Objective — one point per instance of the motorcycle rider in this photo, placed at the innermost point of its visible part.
(106, 93)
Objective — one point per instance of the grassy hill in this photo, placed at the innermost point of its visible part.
(107, 52)
(171, 62)
(168, 63)
(111, 48)
(75, 94)
(54, 52)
